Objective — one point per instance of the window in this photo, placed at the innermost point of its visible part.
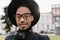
(57, 19)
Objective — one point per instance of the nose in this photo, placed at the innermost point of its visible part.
(22, 19)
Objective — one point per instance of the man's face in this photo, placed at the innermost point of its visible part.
(23, 18)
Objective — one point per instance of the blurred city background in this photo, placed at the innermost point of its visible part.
(48, 24)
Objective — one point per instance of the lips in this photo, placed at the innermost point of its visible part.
(23, 25)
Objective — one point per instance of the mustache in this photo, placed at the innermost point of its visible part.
(23, 23)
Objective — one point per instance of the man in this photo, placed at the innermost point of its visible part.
(24, 14)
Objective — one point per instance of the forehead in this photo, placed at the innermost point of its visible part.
(22, 10)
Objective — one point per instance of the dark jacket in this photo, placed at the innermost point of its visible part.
(30, 36)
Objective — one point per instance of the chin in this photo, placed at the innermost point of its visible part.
(23, 28)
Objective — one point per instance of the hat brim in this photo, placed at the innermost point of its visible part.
(32, 5)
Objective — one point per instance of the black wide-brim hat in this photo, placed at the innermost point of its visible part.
(31, 4)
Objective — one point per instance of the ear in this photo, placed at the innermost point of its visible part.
(32, 18)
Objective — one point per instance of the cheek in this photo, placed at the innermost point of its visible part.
(29, 21)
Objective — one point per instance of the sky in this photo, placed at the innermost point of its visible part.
(45, 5)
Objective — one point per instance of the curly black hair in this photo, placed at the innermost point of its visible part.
(31, 4)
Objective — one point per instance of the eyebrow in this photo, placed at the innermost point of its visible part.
(24, 13)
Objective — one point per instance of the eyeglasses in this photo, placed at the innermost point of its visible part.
(25, 16)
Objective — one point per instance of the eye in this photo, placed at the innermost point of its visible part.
(26, 15)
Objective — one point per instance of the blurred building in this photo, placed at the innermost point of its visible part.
(56, 17)
(45, 23)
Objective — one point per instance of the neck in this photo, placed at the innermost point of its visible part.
(22, 34)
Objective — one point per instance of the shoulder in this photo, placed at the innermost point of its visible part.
(44, 37)
(10, 36)
(41, 37)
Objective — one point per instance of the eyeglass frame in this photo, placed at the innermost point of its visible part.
(22, 16)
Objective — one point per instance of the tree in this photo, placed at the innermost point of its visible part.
(7, 21)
